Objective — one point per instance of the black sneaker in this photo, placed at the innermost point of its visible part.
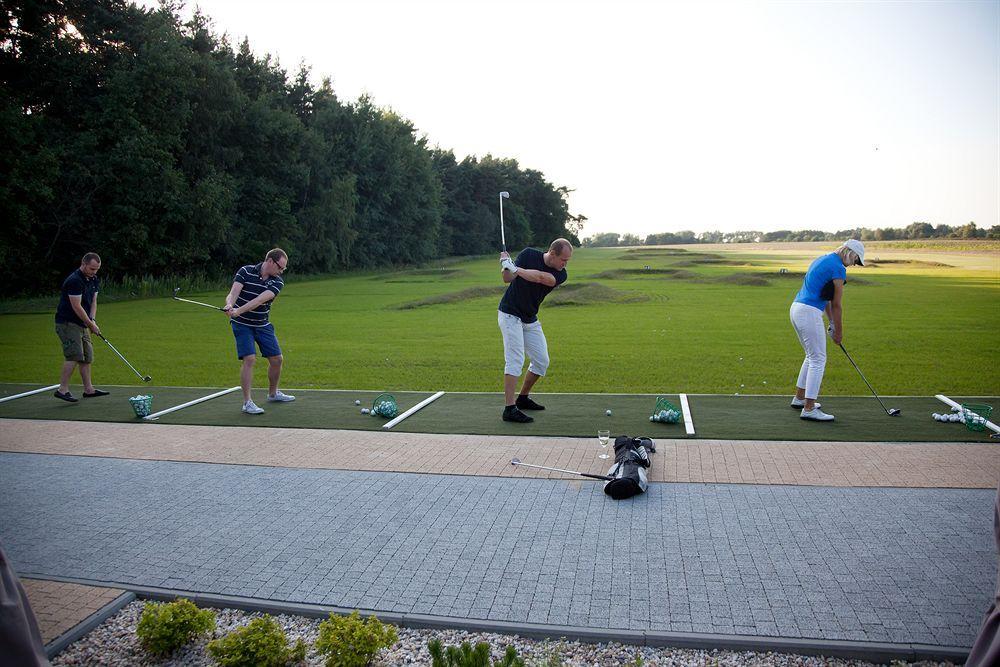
(512, 414)
(96, 392)
(525, 403)
(68, 397)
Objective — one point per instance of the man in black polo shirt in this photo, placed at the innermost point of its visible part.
(529, 279)
(249, 306)
(75, 319)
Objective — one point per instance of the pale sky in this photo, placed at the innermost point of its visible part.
(663, 116)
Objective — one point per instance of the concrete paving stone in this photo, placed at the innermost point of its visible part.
(71, 516)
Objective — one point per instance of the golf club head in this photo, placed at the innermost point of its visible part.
(147, 379)
(514, 462)
(505, 195)
(895, 412)
(176, 290)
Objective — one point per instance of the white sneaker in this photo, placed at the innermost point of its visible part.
(280, 397)
(251, 408)
(798, 405)
(816, 415)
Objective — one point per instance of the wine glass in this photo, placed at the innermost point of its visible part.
(603, 437)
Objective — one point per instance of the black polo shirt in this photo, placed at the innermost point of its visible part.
(522, 297)
(79, 285)
(253, 287)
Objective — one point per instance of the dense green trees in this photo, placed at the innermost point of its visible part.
(157, 144)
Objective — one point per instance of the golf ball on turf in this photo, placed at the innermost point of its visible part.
(956, 417)
(364, 411)
(357, 402)
(607, 412)
(652, 418)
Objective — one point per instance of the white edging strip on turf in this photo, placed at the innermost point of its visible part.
(28, 393)
(686, 409)
(416, 407)
(944, 399)
(157, 415)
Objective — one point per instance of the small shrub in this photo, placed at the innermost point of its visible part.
(348, 641)
(467, 656)
(262, 643)
(164, 628)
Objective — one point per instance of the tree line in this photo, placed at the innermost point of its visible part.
(158, 144)
(916, 230)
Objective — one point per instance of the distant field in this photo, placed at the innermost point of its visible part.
(700, 319)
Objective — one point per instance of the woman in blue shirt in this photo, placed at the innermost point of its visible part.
(822, 291)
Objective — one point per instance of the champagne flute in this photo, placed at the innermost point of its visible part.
(603, 437)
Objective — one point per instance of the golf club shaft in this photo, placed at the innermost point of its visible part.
(503, 241)
(122, 357)
(571, 472)
(198, 303)
(864, 378)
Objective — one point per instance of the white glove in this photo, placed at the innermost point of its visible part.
(829, 330)
(508, 265)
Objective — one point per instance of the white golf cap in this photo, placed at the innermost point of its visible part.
(858, 247)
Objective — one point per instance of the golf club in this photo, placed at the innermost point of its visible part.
(197, 303)
(145, 378)
(503, 241)
(517, 462)
(893, 412)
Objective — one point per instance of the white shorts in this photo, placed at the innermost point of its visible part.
(520, 338)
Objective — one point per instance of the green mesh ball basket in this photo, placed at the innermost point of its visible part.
(673, 413)
(972, 422)
(142, 405)
(385, 406)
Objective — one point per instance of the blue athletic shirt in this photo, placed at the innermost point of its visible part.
(522, 297)
(821, 271)
(254, 286)
(76, 284)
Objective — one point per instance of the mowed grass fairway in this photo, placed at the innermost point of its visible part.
(700, 319)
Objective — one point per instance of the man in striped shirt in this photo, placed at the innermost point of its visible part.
(248, 305)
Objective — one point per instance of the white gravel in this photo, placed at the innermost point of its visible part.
(114, 644)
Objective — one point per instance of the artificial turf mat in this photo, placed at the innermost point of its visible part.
(859, 419)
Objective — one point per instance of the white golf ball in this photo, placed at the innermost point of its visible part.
(357, 402)
(364, 411)
(934, 415)
(652, 418)
(607, 412)
(742, 385)
(956, 417)
(955, 408)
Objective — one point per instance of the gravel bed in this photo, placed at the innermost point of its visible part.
(114, 644)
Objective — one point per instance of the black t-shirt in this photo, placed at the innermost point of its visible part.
(79, 285)
(522, 297)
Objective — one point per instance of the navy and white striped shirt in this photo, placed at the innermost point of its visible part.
(254, 286)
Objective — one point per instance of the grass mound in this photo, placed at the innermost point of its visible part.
(921, 263)
(422, 275)
(619, 274)
(752, 279)
(453, 297)
(585, 294)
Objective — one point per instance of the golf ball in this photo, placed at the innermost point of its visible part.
(607, 412)
(364, 411)
(357, 402)
(956, 417)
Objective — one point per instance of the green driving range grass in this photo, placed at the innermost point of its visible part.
(700, 319)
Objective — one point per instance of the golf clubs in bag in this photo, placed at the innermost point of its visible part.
(629, 469)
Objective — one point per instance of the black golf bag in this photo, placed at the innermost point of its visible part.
(629, 469)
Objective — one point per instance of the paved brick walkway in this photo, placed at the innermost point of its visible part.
(60, 606)
(867, 564)
(930, 465)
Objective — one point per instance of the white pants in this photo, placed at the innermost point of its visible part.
(808, 323)
(519, 338)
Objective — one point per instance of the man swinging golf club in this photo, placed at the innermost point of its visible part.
(76, 317)
(822, 291)
(248, 305)
(529, 279)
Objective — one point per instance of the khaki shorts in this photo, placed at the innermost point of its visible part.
(75, 342)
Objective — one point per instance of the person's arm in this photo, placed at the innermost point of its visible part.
(534, 276)
(231, 297)
(76, 302)
(835, 311)
(93, 308)
(264, 297)
(507, 275)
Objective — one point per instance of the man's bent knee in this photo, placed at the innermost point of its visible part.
(249, 359)
(276, 360)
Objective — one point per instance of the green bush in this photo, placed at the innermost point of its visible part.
(164, 628)
(262, 643)
(347, 641)
(467, 656)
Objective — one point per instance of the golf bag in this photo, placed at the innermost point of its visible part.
(629, 469)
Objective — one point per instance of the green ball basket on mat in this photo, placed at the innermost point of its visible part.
(972, 423)
(385, 406)
(142, 405)
(665, 412)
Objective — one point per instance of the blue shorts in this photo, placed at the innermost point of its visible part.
(262, 336)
